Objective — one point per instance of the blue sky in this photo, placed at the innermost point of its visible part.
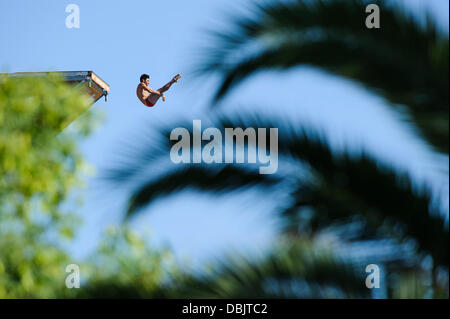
(121, 40)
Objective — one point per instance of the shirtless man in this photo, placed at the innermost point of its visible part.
(148, 96)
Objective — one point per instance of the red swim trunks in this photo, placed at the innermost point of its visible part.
(148, 103)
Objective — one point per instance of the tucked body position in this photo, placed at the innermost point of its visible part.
(147, 95)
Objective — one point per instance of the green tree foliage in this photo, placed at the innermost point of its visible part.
(293, 269)
(37, 162)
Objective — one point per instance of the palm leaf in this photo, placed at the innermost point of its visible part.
(406, 61)
(337, 186)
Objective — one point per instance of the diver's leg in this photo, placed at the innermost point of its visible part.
(153, 98)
